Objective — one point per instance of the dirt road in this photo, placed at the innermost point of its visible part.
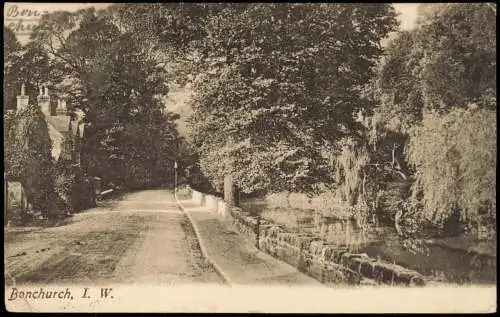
(140, 238)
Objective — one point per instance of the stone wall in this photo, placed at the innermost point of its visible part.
(310, 254)
(215, 204)
(197, 198)
(330, 264)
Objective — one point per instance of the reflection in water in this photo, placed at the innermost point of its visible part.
(441, 263)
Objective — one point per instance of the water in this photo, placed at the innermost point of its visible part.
(444, 261)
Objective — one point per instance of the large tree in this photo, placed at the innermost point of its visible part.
(118, 83)
(428, 76)
(448, 61)
(134, 132)
(279, 86)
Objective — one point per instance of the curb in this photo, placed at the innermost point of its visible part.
(204, 253)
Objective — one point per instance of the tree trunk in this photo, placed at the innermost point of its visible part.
(231, 195)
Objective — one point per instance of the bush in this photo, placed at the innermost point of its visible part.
(75, 191)
(455, 158)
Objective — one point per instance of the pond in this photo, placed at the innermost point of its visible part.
(460, 260)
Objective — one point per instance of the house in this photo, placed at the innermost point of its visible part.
(66, 129)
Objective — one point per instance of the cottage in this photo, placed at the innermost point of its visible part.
(66, 129)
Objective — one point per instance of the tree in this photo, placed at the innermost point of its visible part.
(27, 143)
(448, 61)
(10, 46)
(118, 83)
(135, 135)
(454, 155)
(280, 86)
(397, 87)
(29, 66)
(461, 62)
(172, 32)
(72, 38)
(10, 42)
(445, 64)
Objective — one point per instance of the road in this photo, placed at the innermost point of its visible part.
(142, 237)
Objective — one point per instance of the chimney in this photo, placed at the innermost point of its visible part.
(44, 101)
(61, 108)
(22, 99)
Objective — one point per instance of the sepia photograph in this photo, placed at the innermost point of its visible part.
(250, 157)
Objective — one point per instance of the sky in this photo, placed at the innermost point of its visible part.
(408, 14)
(21, 21)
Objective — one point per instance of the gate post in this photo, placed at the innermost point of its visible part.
(231, 195)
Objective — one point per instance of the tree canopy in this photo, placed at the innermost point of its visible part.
(448, 61)
(279, 86)
(435, 88)
(102, 70)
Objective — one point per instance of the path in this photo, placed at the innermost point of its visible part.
(142, 238)
(237, 258)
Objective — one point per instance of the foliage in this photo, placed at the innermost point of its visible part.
(64, 184)
(138, 139)
(27, 145)
(397, 87)
(75, 191)
(28, 158)
(459, 64)
(173, 24)
(448, 61)
(172, 32)
(29, 65)
(102, 69)
(455, 158)
(10, 46)
(349, 168)
(189, 168)
(10, 42)
(279, 83)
